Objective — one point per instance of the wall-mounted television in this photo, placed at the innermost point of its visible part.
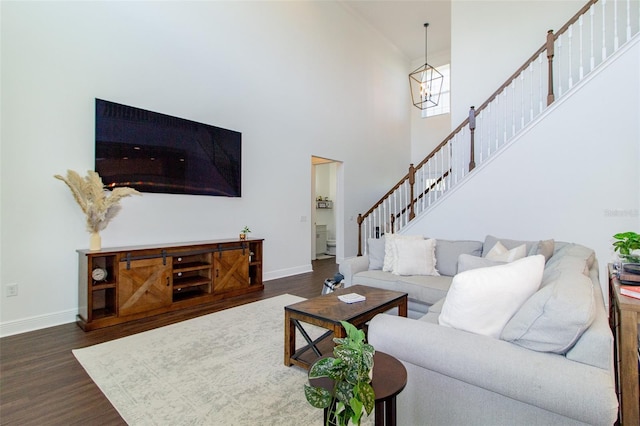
(154, 152)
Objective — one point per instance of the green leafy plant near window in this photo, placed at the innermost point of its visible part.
(352, 393)
(628, 245)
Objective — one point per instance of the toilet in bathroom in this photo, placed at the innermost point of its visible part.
(331, 247)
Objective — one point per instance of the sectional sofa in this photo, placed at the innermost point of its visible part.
(500, 331)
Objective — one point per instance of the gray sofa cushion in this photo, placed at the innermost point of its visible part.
(447, 253)
(543, 247)
(555, 317)
(375, 250)
(423, 288)
(467, 262)
(595, 346)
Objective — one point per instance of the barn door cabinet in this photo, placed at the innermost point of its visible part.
(127, 283)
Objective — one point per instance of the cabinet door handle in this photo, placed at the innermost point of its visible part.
(167, 281)
(216, 273)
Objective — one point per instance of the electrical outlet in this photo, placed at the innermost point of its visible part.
(12, 289)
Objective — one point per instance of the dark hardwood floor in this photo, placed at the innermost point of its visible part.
(41, 383)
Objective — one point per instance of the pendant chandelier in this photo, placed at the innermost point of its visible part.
(425, 82)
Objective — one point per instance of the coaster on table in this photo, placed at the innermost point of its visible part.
(352, 298)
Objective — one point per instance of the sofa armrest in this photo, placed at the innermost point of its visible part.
(351, 266)
(544, 380)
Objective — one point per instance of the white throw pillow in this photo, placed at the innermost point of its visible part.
(415, 257)
(483, 300)
(390, 249)
(500, 253)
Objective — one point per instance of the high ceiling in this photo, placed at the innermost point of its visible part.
(402, 23)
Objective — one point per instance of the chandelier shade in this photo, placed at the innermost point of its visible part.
(425, 82)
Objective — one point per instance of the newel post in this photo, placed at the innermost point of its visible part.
(550, 53)
(412, 182)
(472, 128)
(360, 234)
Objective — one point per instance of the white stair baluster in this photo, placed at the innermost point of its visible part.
(604, 32)
(581, 47)
(592, 12)
(570, 56)
(615, 26)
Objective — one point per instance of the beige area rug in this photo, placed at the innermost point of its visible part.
(226, 368)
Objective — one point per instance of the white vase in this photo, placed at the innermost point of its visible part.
(95, 241)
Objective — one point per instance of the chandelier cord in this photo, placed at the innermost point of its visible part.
(425, 42)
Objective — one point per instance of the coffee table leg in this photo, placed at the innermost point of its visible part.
(289, 338)
(402, 309)
(339, 332)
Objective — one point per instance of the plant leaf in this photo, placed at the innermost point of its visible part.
(356, 408)
(344, 392)
(317, 397)
(324, 367)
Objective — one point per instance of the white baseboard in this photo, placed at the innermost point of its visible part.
(24, 325)
(281, 273)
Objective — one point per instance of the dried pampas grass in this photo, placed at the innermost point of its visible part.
(99, 204)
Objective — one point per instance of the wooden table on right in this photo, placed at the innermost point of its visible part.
(623, 317)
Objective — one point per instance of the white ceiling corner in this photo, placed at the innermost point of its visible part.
(402, 23)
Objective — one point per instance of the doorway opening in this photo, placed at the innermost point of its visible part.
(327, 226)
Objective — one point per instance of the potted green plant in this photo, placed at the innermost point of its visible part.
(628, 246)
(350, 371)
(243, 232)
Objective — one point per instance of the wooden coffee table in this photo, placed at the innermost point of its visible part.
(327, 311)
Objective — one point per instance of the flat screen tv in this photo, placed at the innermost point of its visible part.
(154, 152)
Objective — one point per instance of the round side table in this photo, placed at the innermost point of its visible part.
(389, 379)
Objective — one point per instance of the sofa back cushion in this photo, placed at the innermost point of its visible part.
(447, 253)
(556, 316)
(595, 346)
(375, 251)
(543, 247)
(500, 253)
(466, 262)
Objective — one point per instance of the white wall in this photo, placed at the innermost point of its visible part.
(573, 176)
(296, 78)
(490, 40)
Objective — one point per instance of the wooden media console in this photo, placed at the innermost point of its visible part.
(117, 285)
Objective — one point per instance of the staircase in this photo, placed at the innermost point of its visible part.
(567, 58)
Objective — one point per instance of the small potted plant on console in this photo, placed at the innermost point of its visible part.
(244, 232)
